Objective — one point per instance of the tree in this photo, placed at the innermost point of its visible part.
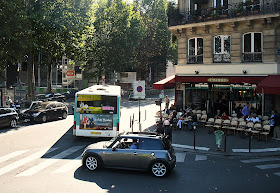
(117, 32)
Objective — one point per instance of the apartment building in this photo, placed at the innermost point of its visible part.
(228, 54)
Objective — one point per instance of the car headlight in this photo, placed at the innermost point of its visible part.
(36, 114)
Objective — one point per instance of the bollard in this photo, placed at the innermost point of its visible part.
(225, 143)
(194, 138)
(250, 136)
(130, 122)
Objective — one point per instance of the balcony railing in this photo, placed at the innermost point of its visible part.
(195, 59)
(229, 11)
(252, 57)
(221, 58)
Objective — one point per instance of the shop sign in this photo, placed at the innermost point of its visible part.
(218, 80)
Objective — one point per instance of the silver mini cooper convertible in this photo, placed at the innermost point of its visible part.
(136, 151)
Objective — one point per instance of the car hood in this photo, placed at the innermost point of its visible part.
(33, 111)
(98, 145)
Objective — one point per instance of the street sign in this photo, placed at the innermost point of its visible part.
(139, 90)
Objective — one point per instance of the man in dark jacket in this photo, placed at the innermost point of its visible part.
(276, 133)
(192, 120)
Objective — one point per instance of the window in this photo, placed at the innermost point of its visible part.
(150, 144)
(221, 49)
(195, 51)
(252, 47)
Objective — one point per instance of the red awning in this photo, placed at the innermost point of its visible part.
(168, 82)
(269, 85)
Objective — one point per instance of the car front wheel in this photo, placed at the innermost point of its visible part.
(159, 169)
(13, 123)
(92, 162)
(44, 118)
(64, 115)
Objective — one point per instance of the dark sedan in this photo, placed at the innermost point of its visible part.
(45, 111)
(55, 97)
(8, 117)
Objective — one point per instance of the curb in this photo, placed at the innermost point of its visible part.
(245, 154)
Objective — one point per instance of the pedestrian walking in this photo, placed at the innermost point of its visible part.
(166, 100)
(167, 129)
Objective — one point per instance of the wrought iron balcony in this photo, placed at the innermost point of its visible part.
(195, 59)
(252, 57)
(221, 58)
(229, 11)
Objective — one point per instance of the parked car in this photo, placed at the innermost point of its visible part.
(8, 117)
(55, 97)
(152, 152)
(70, 94)
(45, 111)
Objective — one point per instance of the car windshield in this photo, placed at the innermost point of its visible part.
(35, 105)
(108, 143)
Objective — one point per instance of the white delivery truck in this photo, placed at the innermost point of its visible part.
(138, 90)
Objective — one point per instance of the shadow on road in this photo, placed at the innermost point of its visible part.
(117, 180)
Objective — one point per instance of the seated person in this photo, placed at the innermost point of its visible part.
(225, 116)
(248, 118)
(255, 119)
(193, 120)
(181, 120)
(218, 115)
(134, 145)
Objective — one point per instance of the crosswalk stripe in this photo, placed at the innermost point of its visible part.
(268, 166)
(11, 155)
(67, 167)
(180, 157)
(277, 173)
(23, 161)
(260, 160)
(50, 161)
(200, 157)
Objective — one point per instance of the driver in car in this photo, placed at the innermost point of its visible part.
(134, 145)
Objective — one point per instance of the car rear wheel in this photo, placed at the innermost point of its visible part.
(64, 115)
(13, 123)
(159, 169)
(44, 118)
(92, 162)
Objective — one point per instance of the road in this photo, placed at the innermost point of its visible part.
(46, 158)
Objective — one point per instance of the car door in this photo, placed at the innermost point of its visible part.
(148, 150)
(118, 157)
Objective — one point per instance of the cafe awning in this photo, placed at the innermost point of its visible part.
(269, 85)
(168, 82)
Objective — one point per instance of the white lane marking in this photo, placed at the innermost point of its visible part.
(260, 160)
(256, 150)
(277, 173)
(180, 157)
(23, 161)
(68, 166)
(268, 166)
(50, 161)
(190, 147)
(200, 157)
(11, 155)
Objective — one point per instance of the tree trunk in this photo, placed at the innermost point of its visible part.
(49, 81)
(31, 77)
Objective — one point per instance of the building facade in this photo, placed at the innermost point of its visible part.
(225, 49)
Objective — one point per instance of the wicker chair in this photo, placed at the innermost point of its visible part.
(266, 131)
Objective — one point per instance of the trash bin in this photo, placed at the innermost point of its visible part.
(219, 136)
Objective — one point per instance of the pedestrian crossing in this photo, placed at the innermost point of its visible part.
(269, 164)
(35, 162)
(25, 163)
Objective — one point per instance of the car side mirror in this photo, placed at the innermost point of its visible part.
(114, 149)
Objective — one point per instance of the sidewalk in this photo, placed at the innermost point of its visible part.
(235, 145)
